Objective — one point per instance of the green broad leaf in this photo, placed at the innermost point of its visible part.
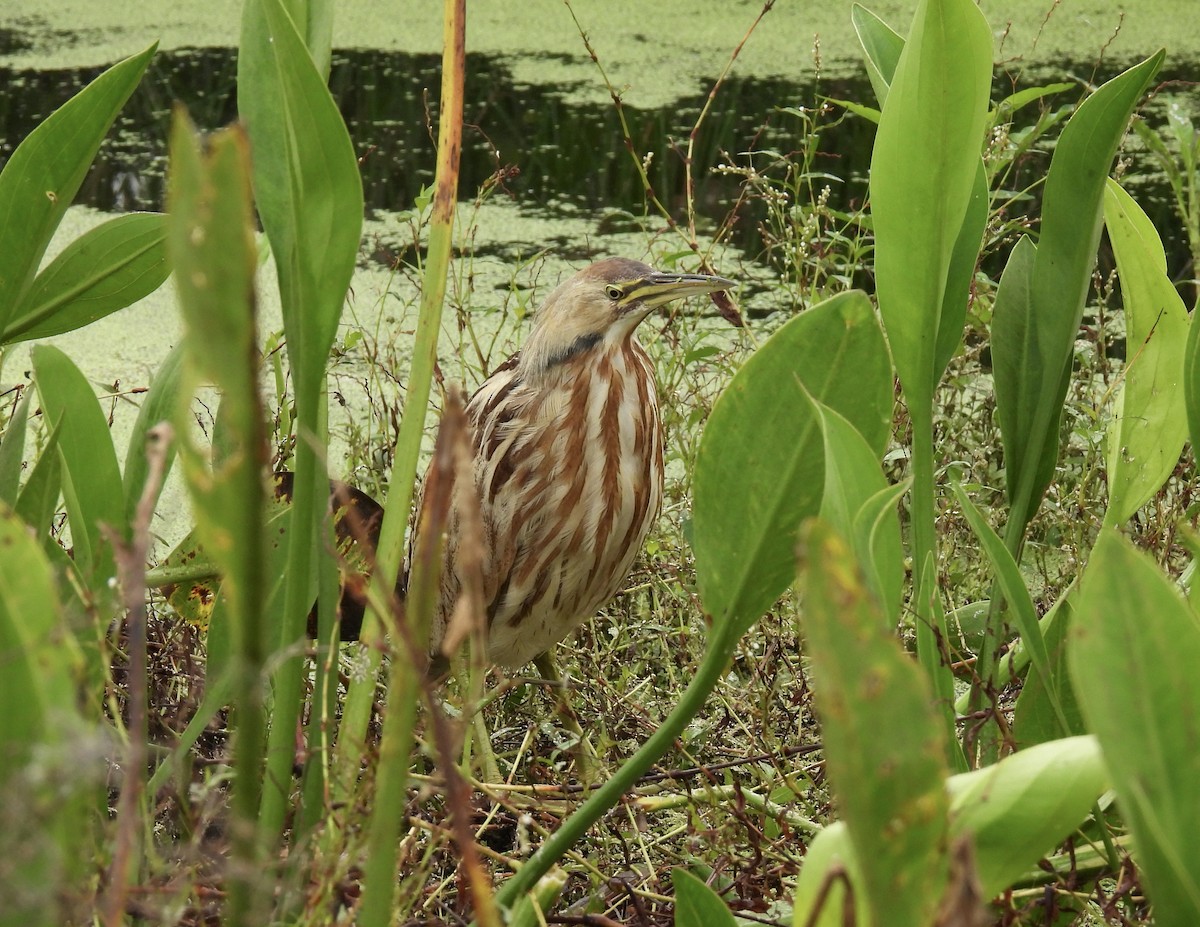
(1149, 425)
(884, 748)
(760, 467)
(861, 506)
(1134, 649)
(697, 905)
(1018, 810)
(12, 451)
(1014, 812)
(159, 406)
(881, 46)
(1037, 315)
(91, 477)
(43, 175)
(924, 171)
(306, 182)
(107, 268)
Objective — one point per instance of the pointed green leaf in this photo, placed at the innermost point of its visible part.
(1015, 812)
(1016, 594)
(760, 469)
(1149, 426)
(884, 751)
(860, 505)
(43, 175)
(881, 45)
(1191, 379)
(12, 450)
(960, 272)
(306, 182)
(1035, 716)
(1134, 651)
(160, 403)
(38, 500)
(1036, 320)
(924, 169)
(107, 268)
(90, 474)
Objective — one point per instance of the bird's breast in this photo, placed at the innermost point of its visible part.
(569, 491)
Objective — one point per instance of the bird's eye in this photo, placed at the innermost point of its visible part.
(613, 292)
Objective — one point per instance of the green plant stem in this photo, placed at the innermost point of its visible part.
(357, 710)
(988, 662)
(931, 620)
(723, 793)
(308, 504)
(708, 674)
(314, 805)
(190, 572)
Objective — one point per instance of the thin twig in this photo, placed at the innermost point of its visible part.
(131, 567)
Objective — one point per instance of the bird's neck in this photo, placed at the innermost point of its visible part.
(549, 357)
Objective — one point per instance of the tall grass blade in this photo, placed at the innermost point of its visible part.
(379, 883)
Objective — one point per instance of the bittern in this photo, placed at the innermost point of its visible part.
(567, 461)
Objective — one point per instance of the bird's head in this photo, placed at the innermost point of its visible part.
(602, 305)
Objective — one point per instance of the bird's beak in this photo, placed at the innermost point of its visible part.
(653, 290)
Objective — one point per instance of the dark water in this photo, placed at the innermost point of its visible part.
(544, 148)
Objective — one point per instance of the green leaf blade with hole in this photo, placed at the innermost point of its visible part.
(884, 748)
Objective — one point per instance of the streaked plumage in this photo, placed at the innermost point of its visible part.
(567, 461)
